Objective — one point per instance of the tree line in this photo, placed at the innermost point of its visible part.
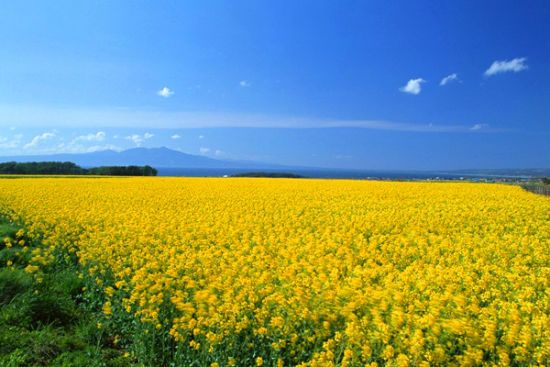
(70, 168)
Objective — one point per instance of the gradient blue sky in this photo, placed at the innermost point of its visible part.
(348, 84)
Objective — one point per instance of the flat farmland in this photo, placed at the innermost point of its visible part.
(285, 272)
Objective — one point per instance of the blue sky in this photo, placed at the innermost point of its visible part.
(354, 84)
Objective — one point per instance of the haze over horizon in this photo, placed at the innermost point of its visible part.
(341, 85)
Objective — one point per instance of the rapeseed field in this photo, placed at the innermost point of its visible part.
(281, 272)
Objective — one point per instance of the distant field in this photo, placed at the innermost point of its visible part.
(283, 272)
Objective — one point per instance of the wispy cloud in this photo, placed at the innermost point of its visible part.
(201, 136)
(139, 139)
(136, 118)
(515, 65)
(7, 143)
(448, 78)
(244, 83)
(175, 136)
(78, 144)
(165, 92)
(99, 136)
(97, 148)
(204, 150)
(74, 147)
(37, 139)
(413, 86)
(477, 127)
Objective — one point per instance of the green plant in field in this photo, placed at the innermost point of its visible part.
(12, 283)
(46, 323)
(7, 230)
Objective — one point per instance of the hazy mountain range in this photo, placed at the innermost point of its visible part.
(155, 157)
(168, 162)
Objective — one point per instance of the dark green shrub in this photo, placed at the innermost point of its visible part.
(12, 282)
(67, 282)
(50, 308)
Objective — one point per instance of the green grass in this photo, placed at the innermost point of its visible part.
(7, 230)
(48, 323)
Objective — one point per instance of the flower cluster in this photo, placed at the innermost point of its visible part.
(311, 272)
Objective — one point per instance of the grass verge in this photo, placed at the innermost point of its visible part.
(47, 321)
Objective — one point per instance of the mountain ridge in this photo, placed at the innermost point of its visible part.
(161, 157)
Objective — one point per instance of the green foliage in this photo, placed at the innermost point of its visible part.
(545, 180)
(72, 358)
(67, 282)
(123, 171)
(15, 255)
(41, 168)
(47, 323)
(69, 168)
(13, 281)
(7, 230)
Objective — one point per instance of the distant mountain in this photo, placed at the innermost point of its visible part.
(155, 157)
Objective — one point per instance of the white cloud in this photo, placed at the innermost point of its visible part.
(244, 83)
(175, 136)
(477, 127)
(449, 78)
(515, 65)
(165, 92)
(204, 150)
(99, 136)
(73, 147)
(219, 153)
(76, 145)
(413, 86)
(201, 136)
(37, 139)
(97, 148)
(6, 143)
(139, 139)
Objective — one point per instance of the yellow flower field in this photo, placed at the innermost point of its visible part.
(316, 272)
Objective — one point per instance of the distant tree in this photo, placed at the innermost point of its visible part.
(41, 168)
(123, 171)
(546, 180)
(69, 168)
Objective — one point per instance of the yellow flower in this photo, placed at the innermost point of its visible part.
(436, 273)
